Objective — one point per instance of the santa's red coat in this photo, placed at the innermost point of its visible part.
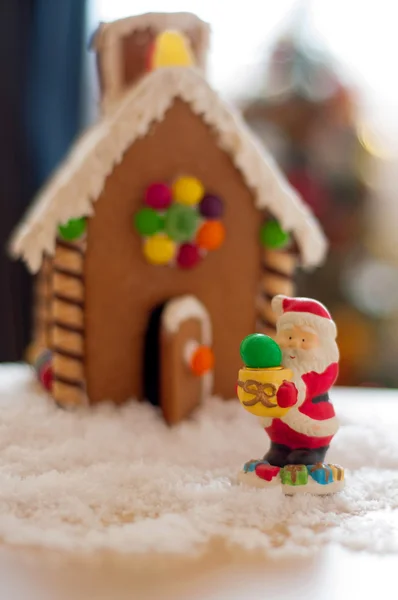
(313, 423)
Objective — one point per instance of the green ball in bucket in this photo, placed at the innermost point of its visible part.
(259, 351)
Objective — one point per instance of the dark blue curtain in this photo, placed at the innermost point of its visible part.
(53, 110)
(41, 68)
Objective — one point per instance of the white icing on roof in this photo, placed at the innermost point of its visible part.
(79, 181)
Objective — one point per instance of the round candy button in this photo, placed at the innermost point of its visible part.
(188, 256)
(273, 236)
(188, 190)
(159, 249)
(202, 361)
(158, 196)
(211, 235)
(148, 221)
(211, 207)
(181, 222)
(73, 229)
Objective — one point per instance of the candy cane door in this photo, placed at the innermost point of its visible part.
(186, 357)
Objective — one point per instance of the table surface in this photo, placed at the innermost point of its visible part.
(217, 574)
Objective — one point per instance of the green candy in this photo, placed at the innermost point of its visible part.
(181, 222)
(273, 236)
(147, 221)
(259, 351)
(73, 229)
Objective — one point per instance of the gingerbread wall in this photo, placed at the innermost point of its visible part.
(122, 288)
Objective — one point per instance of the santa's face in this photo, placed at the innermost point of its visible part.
(301, 349)
(293, 337)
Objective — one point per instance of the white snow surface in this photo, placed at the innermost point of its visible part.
(119, 479)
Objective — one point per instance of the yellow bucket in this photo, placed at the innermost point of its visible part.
(257, 390)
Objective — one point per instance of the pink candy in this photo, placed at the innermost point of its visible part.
(158, 196)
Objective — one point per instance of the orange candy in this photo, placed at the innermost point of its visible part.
(211, 235)
(202, 361)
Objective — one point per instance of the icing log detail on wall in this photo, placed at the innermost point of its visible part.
(278, 271)
(67, 340)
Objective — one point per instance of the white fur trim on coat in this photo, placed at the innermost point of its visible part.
(301, 423)
(304, 424)
(265, 421)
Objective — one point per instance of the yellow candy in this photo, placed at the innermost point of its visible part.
(171, 49)
(159, 249)
(188, 190)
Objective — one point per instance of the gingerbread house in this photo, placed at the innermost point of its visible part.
(162, 238)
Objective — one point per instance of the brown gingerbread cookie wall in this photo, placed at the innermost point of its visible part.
(122, 288)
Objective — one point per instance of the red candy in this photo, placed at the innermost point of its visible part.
(267, 472)
(158, 196)
(46, 376)
(188, 256)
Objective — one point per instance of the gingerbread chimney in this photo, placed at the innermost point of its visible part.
(122, 48)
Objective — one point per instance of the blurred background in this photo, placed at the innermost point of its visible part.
(315, 80)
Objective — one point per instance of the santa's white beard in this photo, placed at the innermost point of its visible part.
(317, 359)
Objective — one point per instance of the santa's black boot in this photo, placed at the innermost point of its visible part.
(307, 456)
(277, 455)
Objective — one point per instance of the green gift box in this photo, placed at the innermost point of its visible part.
(294, 475)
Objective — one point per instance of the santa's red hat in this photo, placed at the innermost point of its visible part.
(304, 312)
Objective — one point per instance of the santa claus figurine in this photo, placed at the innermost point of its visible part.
(306, 335)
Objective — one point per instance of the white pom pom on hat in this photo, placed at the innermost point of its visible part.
(303, 311)
(277, 304)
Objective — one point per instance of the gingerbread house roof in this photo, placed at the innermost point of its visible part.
(77, 184)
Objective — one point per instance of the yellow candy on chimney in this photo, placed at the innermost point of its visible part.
(171, 48)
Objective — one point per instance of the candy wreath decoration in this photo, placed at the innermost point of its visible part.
(180, 223)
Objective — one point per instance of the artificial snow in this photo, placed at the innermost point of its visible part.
(119, 479)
